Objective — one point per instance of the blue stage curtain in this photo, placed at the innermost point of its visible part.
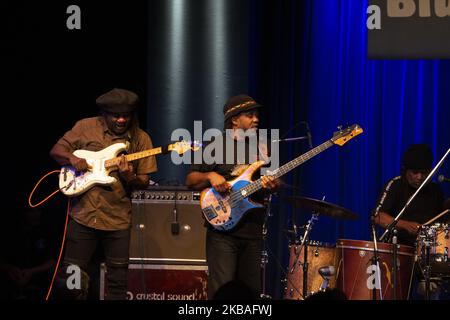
(309, 62)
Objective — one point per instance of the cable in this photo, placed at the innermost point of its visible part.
(65, 225)
(37, 184)
(60, 252)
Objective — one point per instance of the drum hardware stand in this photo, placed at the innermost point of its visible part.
(294, 231)
(264, 255)
(394, 263)
(376, 262)
(390, 230)
(304, 247)
(426, 241)
(427, 271)
(416, 264)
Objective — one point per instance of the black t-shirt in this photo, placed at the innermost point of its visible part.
(250, 225)
(427, 204)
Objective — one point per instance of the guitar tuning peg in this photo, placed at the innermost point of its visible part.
(340, 128)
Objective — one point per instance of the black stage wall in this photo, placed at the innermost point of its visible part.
(53, 75)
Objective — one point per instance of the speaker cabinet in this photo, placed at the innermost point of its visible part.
(167, 228)
(162, 282)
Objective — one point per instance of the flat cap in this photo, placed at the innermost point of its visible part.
(118, 100)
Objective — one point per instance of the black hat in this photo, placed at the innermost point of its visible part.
(238, 104)
(118, 100)
(417, 157)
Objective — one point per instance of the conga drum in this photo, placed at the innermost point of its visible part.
(319, 255)
(357, 276)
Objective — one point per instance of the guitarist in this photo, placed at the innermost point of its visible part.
(234, 256)
(102, 215)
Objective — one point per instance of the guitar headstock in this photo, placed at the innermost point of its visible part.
(181, 147)
(342, 136)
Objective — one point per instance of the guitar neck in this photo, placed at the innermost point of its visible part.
(257, 184)
(138, 155)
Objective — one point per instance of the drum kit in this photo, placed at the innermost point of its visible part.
(433, 252)
(362, 270)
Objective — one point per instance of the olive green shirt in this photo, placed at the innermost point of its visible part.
(106, 207)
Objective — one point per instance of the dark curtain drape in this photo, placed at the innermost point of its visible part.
(197, 58)
(308, 62)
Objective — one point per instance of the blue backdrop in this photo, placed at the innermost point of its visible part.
(311, 64)
(306, 61)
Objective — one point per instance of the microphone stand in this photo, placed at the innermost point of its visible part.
(307, 137)
(291, 139)
(391, 231)
(304, 246)
(394, 263)
(376, 262)
(305, 241)
(264, 255)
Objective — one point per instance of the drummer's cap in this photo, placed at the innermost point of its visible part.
(417, 157)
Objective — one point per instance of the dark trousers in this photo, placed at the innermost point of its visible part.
(233, 259)
(81, 242)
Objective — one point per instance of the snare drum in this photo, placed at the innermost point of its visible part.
(357, 277)
(318, 255)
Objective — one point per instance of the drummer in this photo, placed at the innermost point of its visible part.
(416, 165)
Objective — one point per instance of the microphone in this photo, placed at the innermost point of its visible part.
(327, 271)
(441, 178)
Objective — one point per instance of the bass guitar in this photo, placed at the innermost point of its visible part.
(224, 211)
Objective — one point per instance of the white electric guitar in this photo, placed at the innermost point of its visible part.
(101, 163)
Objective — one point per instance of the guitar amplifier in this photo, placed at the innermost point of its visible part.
(167, 227)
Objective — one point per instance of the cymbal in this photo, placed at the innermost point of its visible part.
(322, 207)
